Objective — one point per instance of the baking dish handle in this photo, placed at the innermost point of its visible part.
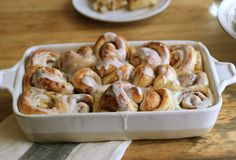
(7, 78)
(226, 73)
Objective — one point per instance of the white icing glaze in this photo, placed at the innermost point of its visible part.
(121, 97)
(57, 76)
(149, 72)
(121, 45)
(150, 56)
(89, 81)
(42, 59)
(106, 63)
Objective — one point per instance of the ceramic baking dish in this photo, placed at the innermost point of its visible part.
(120, 125)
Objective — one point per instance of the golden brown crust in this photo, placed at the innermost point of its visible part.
(166, 78)
(121, 96)
(42, 57)
(156, 100)
(86, 80)
(47, 78)
(196, 97)
(25, 108)
(143, 76)
(71, 61)
(112, 44)
(185, 58)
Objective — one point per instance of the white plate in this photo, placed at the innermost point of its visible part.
(227, 17)
(122, 15)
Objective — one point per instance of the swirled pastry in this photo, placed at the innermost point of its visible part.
(42, 57)
(185, 58)
(159, 100)
(121, 96)
(111, 44)
(47, 78)
(143, 76)
(137, 4)
(38, 101)
(196, 97)
(75, 103)
(187, 79)
(123, 73)
(35, 101)
(166, 78)
(153, 53)
(86, 80)
(108, 65)
(71, 61)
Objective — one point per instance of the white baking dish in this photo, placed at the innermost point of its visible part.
(124, 125)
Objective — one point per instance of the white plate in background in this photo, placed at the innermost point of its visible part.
(122, 15)
(227, 16)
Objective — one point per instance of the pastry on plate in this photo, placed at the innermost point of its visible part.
(105, 5)
(137, 4)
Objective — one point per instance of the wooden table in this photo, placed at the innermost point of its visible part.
(25, 23)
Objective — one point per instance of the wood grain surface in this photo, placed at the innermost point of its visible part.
(31, 22)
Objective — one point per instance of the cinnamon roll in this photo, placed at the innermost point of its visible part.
(75, 103)
(71, 61)
(166, 78)
(159, 100)
(123, 73)
(143, 76)
(42, 57)
(38, 101)
(187, 79)
(121, 96)
(86, 80)
(35, 101)
(108, 65)
(111, 44)
(153, 53)
(47, 78)
(195, 97)
(185, 58)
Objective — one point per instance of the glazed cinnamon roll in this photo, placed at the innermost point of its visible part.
(111, 44)
(42, 57)
(153, 53)
(166, 78)
(121, 96)
(159, 100)
(35, 101)
(47, 78)
(38, 101)
(75, 103)
(123, 73)
(86, 80)
(195, 97)
(143, 76)
(185, 58)
(187, 79)
(108, 65)
(71, 61)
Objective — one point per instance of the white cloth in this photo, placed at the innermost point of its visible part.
(13, 145)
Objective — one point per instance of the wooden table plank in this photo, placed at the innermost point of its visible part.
(25, 23)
